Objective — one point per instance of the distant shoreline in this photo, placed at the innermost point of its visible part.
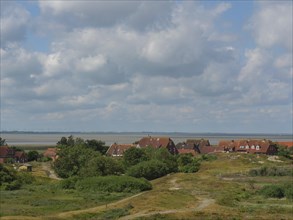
(51, 138)
(143, 132)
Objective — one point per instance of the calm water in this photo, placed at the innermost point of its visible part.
(48, 139)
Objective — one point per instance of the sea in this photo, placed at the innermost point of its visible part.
(51, 138)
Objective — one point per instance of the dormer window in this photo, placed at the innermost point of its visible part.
(246, 147)
(257, 147)
(241, 147)
(252, 147)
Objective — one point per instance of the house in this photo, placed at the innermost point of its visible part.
(10, 154)
(197, 146)
(51, 152)
(249, 146)
(227, 145)
(257, 147)
(158, 142)
(117, 150)
(20, 156)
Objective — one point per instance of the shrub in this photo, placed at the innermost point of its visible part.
(272, 191)
(6, 175)
(14, 185)
(149, 169)
(271, 171)
(192, 167)
(209, 157)
(25, 178)
(113, 184)
(188, 164)
(68, 183)
(288, 191)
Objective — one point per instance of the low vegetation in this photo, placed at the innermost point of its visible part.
(94, 186)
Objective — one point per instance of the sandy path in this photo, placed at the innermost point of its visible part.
(46, 167)
(205, 202)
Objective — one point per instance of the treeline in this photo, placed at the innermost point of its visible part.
(79, 160)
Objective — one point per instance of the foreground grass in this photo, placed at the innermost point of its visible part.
(220, 190)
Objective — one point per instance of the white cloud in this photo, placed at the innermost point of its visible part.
(14, 23)
(147, 65)
(272, 24)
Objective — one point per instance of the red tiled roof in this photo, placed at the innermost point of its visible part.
(209, 149)
(286, 143)
(118, 149)
(19, 154)
(158, 142)
(6, 151)
(249, 146)
(50, 152)
(155, 142)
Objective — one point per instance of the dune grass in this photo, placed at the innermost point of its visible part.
(222, 189)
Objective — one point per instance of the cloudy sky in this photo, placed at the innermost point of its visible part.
(182, 66)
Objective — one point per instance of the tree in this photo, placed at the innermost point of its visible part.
(71, 159)
(32, 155)
(2, 142)
(63, 141)
(133, 156)
(101, 166)
(96, 145)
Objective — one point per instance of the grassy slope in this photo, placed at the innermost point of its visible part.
(218, 191)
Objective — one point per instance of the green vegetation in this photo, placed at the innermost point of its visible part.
(106, 184)
(13, 180)
(113, 184)
(272, 171)
(216, 186)
(188, 164)
(150, 170)
(284, 151)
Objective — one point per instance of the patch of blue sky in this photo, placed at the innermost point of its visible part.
(31, 6)
(36, 43)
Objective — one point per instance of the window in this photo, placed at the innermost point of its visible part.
(246, 147)
(257, 147)
(252, 147)
(241, 147)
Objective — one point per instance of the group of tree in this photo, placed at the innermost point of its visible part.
(77, 157)
(93, 144)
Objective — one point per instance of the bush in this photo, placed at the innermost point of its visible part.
(6, 175)
(188, 164)
(288, 191)
(271, 171)
(209, 157)
(272, 191)
(14, 185)
(149, 169)
(68, 183)
(192, 167)
(113, 184)
(25, 178)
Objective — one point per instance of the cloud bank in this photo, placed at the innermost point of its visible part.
(145, 66)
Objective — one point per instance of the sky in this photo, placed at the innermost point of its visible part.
(158, 66)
